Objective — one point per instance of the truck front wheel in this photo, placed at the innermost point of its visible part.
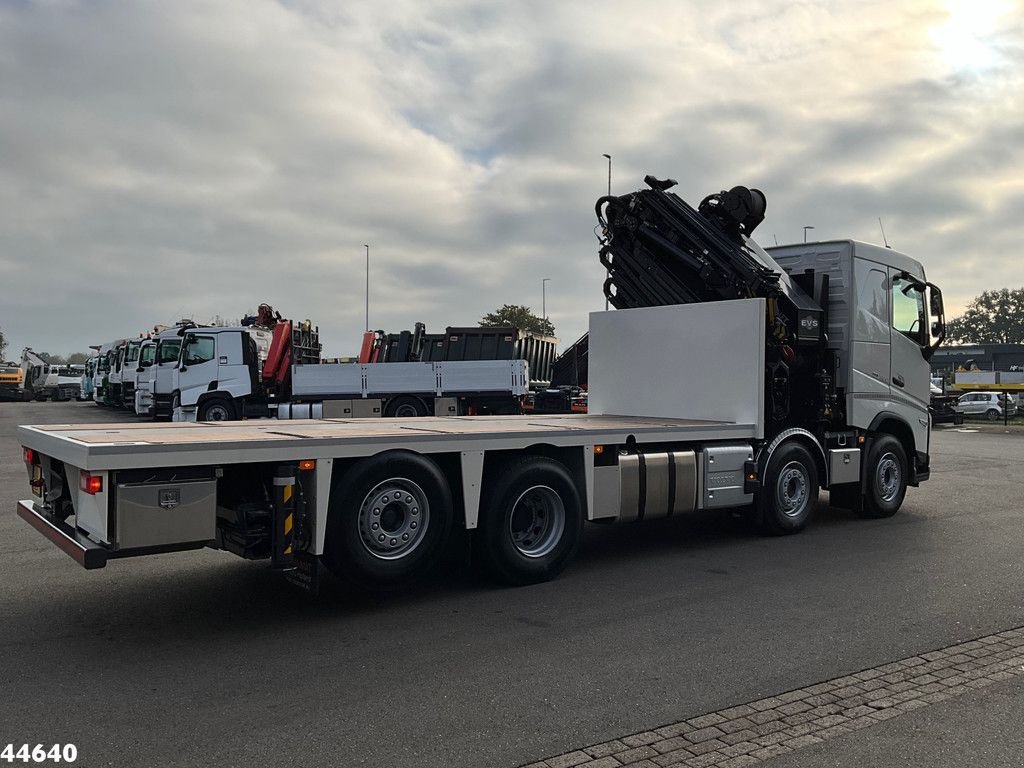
(216, 409)
(389, 519)
(531, 519)
(886, 477)
(790, 490)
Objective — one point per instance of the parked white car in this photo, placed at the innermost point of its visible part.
(986, 405)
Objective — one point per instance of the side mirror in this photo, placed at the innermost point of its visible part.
(139, 369)
(938, 313)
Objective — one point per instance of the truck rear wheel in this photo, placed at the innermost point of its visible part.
(790, 490)
(531, 519)
(886, 477)
(389, 519)
(406, 408)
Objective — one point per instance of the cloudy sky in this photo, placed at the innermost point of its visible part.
(194, 159)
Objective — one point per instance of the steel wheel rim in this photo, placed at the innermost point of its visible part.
(406, 411)
(217, 413)
(393, 518)
(889, 476)
(537, 521)
(792, 489)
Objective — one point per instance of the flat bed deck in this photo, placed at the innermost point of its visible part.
(148, 445)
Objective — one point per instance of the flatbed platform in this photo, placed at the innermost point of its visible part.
(146, 445)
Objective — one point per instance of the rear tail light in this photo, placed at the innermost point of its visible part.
(91, 484)
(30, 456)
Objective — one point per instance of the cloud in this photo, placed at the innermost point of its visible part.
(198, 158)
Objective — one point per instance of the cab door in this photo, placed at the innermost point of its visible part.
(198, 368)
(908, 367)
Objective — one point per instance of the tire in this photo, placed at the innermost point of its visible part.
(789, 494)
(992, 414)
(216, 409)
(531, 520)
(377, 540)
(886, 474)
(405, 408)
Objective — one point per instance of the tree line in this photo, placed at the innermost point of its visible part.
(994, 317)
(75, 358)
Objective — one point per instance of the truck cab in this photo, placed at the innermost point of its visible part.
(88, 379)
(129, 373)
(106, 361)
(218, 371)
(164, 372)
(156, 378)
(141, 394)
(68, 383)
(884, 322)
(112, 394)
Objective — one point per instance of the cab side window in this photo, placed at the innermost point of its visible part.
(200, 349)
(908, 315)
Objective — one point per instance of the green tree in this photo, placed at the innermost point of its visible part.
(77, 358)
(52, 359)
(3, 344)
(994, 317)
(518, 317)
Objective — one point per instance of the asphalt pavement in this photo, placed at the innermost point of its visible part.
(201, 658)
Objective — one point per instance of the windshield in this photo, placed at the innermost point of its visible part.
(69, 372)
(148, 354)
(133, 351)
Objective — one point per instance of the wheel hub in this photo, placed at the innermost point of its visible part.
(217, 413)
(393, 518)
(889, 477)
(537, 521)
(791, 489)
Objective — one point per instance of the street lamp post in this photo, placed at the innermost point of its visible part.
(367, 247)
(805, 233)
(544, 297)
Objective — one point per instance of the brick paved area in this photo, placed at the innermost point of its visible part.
(751, 733)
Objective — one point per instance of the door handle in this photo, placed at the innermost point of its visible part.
(898, 380)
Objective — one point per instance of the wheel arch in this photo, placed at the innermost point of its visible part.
(206, 397)
(802, 437)
(888, 423)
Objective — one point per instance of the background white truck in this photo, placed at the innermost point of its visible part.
(743, 402)
(274, 369)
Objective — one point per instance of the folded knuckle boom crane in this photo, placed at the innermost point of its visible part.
(658, 251)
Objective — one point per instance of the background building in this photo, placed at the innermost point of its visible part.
(988, 357)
